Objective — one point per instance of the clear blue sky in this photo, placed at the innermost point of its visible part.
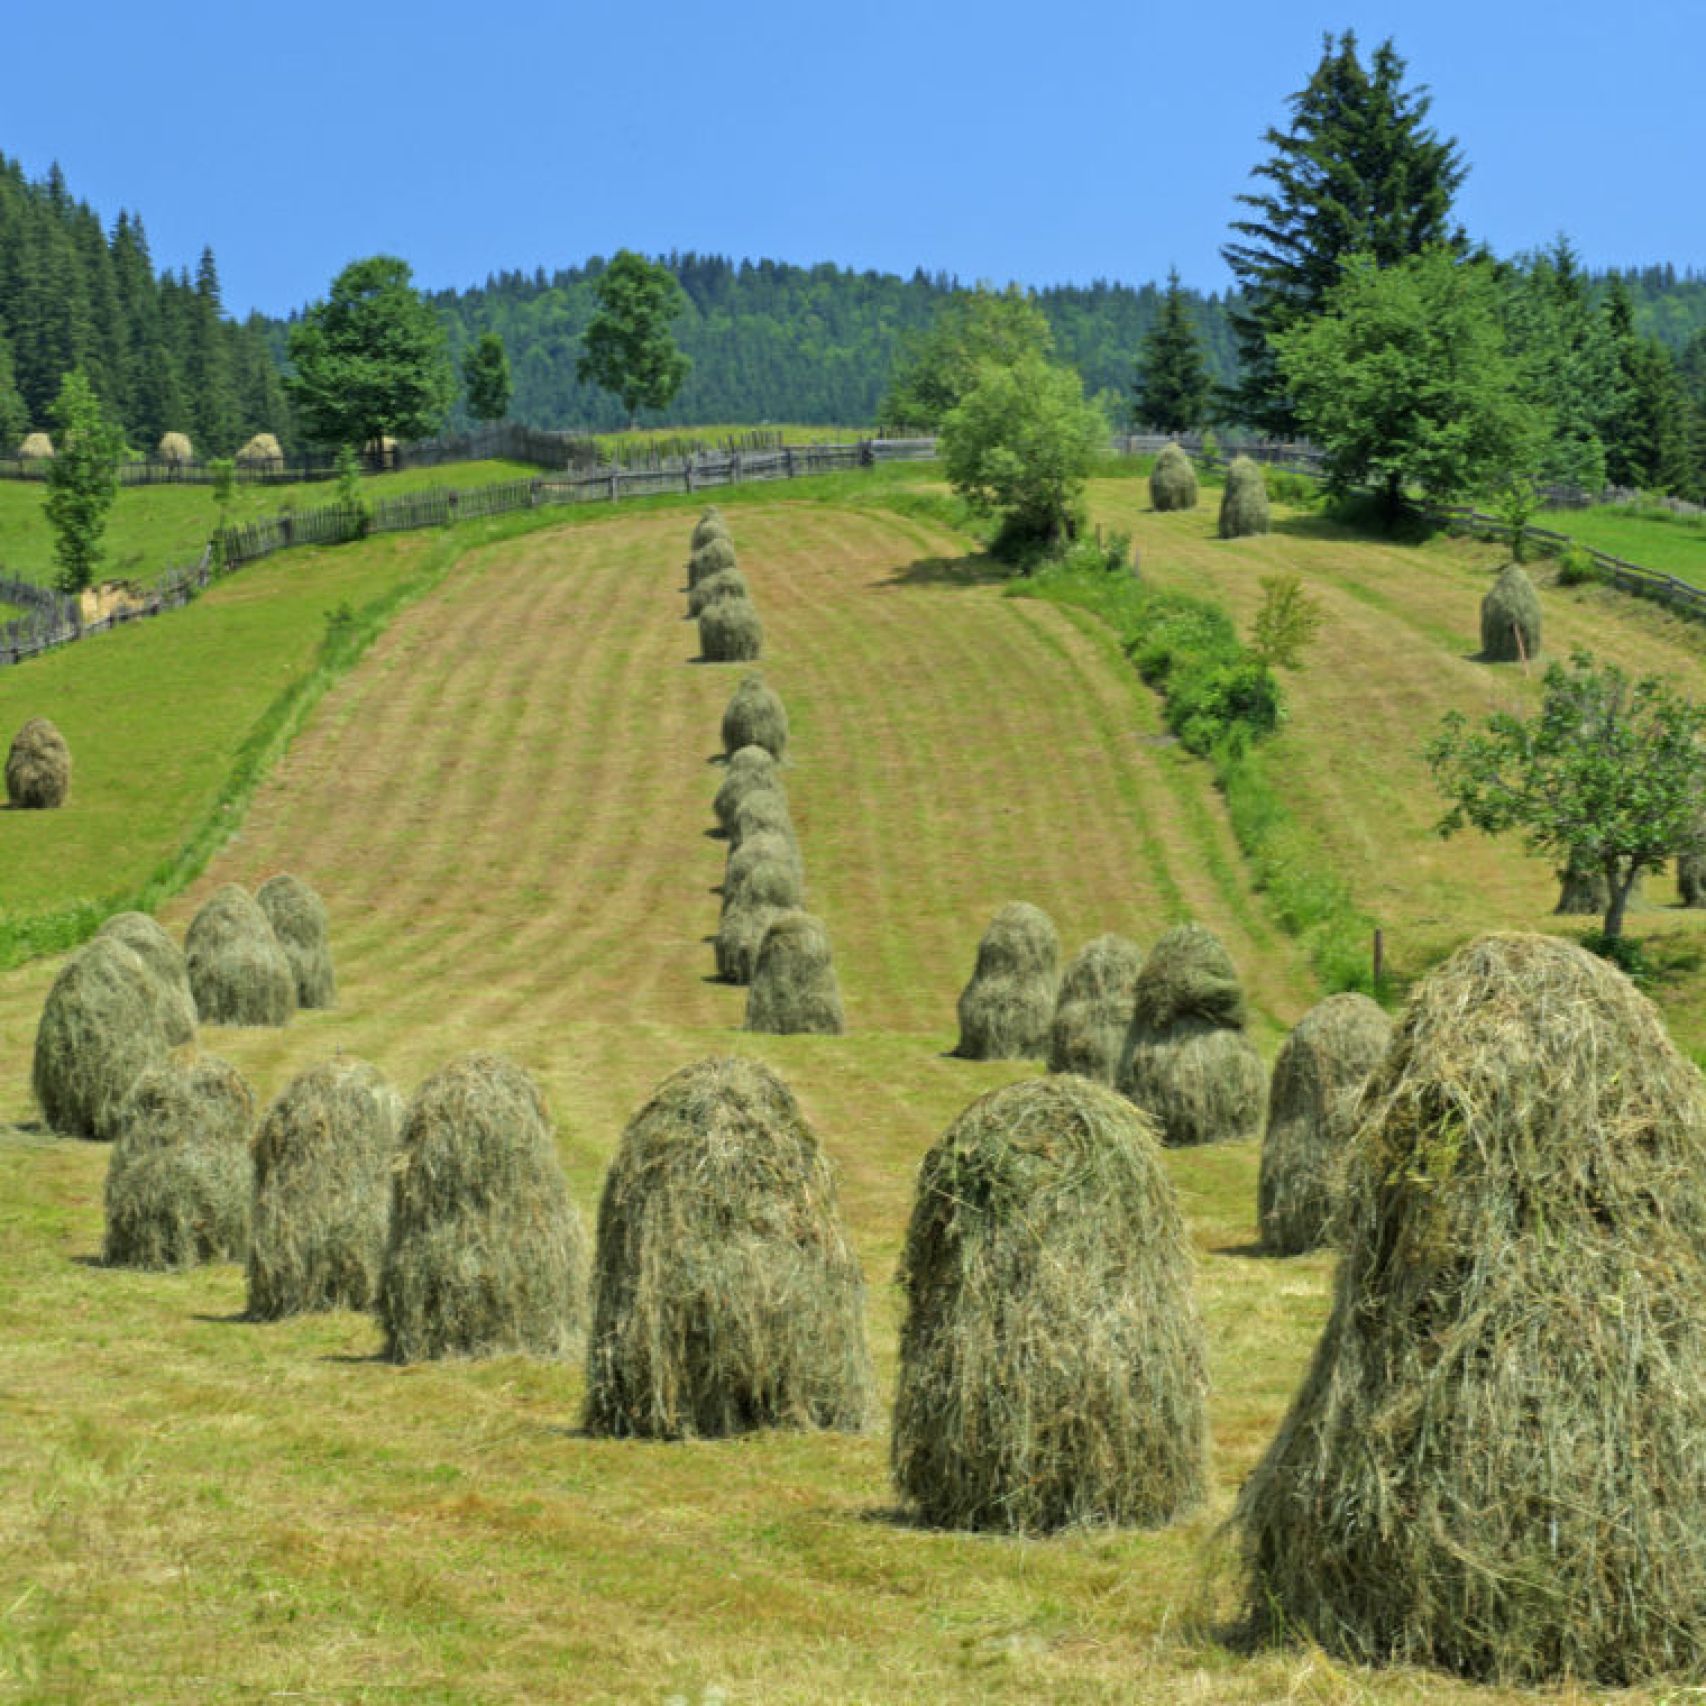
(1047, 143)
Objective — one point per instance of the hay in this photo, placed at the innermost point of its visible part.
(180, 1180)
(164, 962)
(1244, 502)
(756, 717)
(763, 870)
(1494, 1464)
(238, 971)
(1052, 1359)
(740, 934)
(1007, 1009)
(486, 1254)
(262, 451)
(750, 770)
(298, 919)
(715, 589)
(99, 1032)
(37, 447)
(1510, 618)
(715, 557)
(710, 525)
(1093, 1010)
(764, 811)
(174, 447)
(1691, 879)
(1173, 484)
(728, 1296)
(730, 632)
(1318, 1078)
(794, 990)
(38, 767)
(322, 1192)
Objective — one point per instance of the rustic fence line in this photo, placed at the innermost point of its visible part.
(50, 619)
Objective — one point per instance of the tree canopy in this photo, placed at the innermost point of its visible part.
(936, 370)
(629, 348)
(485, 378)
(82, 480)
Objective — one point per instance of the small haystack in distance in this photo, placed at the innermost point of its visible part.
(740, 934)
(1318, 1078)
(715, 557)
(1244, 502)
(486, 1253)
(1494, 1463)
(794, 991)
(1691, 879)
(263, 451)
(710, 525)
(100, 1031)
(1173, 484)
(764, 869)
(1052, 1361)
(38, 767)
(756, 716)
(238, 971)
(1510, 618)
(37, 447)
(298, 919)
(750, 770)
(322, 1192)
(164, 961)
(174, 447)
(730, 632)
(1093, 1012)
(727, 1294)
(764, 811)
(1007, 1008)
(180, 1180)
(716, 589)
(1188, 1062)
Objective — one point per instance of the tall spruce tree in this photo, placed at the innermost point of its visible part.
(1173, 384)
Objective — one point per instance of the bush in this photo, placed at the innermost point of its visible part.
(1577, 567)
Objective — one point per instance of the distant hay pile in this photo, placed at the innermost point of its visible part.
(37, 447)
(710, 525)
(763, 870)
(238, 971)
(263, 452)
(164, 961)
(486, 1253)
(728, 1296)
(764, 811)
(1188, 1062)
(715, 589)
(1691, 879)
(1318, 1078)
(740, 934)
(1494, 1464)
(1244, 502)
(38, 767)
(731, 632)
(99, 1032)
(322, 1191)
(750, 770)
(1052, 1362)
(298, 919)
(175, 447)
(1007, 1009)
(794, 989)
(1093, 1012)
(756, 717)
(715, 557)
(179, 1184)
(1173, 484)
(1510, 618)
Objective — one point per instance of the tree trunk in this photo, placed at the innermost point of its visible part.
(1618, 884)
(1393, 499)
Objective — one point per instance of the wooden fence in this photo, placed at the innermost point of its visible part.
(51, 620)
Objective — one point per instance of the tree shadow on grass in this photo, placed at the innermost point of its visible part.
(979, 569)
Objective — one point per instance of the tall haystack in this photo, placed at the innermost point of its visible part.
(710, 525)
(175, 448)
(756, 716)
(1173, 483)
(179, 1183)
(487, 1253)
(298, 919)
(164, 961)
(763, 811)
(239, 972)
(322, 1194)
(1007, 1009)
(727, 1294)
(36, 447)
(1312, 1103)
(750, 770)
(1494, 1463)
(38, 767)
(1093, 1011)
(764, 870)
(100, 1031)
(794, 989)
(262, 452)
(740, 934)
(1691, 879)
(1188, 1062)
(1510, 618)
(714, 589)
(1052, 1362)
(1244, 502)
(715, 557)
(731, 632)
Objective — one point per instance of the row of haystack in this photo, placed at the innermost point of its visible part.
(262, 451)
(718, 596)
(1243, 499)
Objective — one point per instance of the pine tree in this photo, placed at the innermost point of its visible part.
(14, 417)
(1173, 384)
(211, 385)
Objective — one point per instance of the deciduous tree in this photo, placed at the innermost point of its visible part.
(935, 373)
(485, 378)
(629, 348)
(82, 480)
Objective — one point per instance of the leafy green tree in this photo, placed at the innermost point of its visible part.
(485, 378)
(1607, 776)
(1173, 383)
(370, 361)
(1285, 623)
(82, 480)
(629, 349)
(935, 373)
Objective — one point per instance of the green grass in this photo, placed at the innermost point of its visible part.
(1650, 538)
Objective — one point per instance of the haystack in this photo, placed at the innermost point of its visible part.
(1691, 879)
(298, 919)
(175, 447)
(730, 632)
(1008, 1007)
(322, 1196)
(715, 557)
(487, 1253)
(238, 971)
(164, 961)
(763, 870)
(1494, 1464)
(1093, 1011)
(1052, 1359)
(179, 1184)
(99, 1032)
(1173, 484)
(263, 451)
(1244, 502)
(756, 717)
(710, 525)
(715, 589)
(764, 811)
(37, 447)
(38, 767)
(1318, 1078)
(750, 770)
(794, 990)
(1188, 1062)
(728, 1297)
(740, 934)
(1510, 618)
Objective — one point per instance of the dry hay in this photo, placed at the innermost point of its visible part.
(750, 770)
(38, 767)
(740, 934)
(715, 557)
(1093, 1011)
(756, 716)
(1691, 879)
(730, 632)
(1510, 618)
(710, 525)
(715, 589)
(486, 1254)
(1494, 1464)
(99, 1032)
(164, 961)
(1007, 1009)
(238, 971)
(764, 811)
(1052, 1361)
(764, 869)
(262, 451)
(37, 447)
(174, 447)
(1173, 484)
(1244, 502)
(794, 991)
(322, 1193)
(298, 918)
(180, 1180)
(1187, 1061)
(728, 1296)
(1312, 1104)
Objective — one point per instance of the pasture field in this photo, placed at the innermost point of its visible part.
(1654, 539)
